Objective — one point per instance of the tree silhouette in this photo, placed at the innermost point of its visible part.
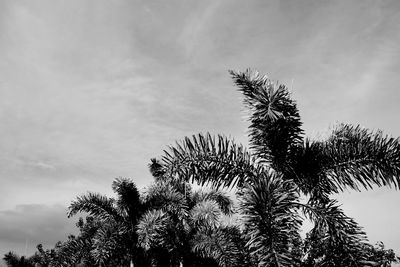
(184, 226)
(115, 240)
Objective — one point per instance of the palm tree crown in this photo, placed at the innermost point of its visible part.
(282, 165)
(115, 238)
(185, 226)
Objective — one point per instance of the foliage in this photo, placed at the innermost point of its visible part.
(74, 250)
(114, 240)
(223, 244)
(172, 225)
(267, 203)
(283, 165)
(13, 260)
(178, 219)
(379, 255)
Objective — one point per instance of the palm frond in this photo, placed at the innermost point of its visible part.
(275, 127)
(152, 229)
(162, 195)
(223, 244)
(107, 240)
(305, 169)
(337, 237)
(268, 205)
(355, 156)
(224, 202)
(96, 205)
(156, 168)
(205, 214)
(72, 252)
(209, 160)
(128, 201)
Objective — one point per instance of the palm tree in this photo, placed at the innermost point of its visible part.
(114, 240)
(283, 167)
(184, 227)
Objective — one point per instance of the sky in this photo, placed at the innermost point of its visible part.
(92, 90)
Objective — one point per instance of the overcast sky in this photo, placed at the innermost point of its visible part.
(91, 90)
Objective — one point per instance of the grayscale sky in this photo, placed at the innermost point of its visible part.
(91, 90)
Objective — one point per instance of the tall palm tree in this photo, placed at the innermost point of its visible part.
(115, 239)
(284, 166)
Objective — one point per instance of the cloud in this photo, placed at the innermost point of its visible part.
(25, 226)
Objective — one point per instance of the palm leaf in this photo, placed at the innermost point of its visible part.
(107, 240)
(152, 229)
(162, 195)
(223, 244)
(209, 160)
(275, 127)
(156, 168)
(205, 214)
(305, 169)
(356, 157)
(96, 205)
(71, 252)
(352, 157)
(222, 199)
(268, 206)
(128, 201)
(337, 236)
